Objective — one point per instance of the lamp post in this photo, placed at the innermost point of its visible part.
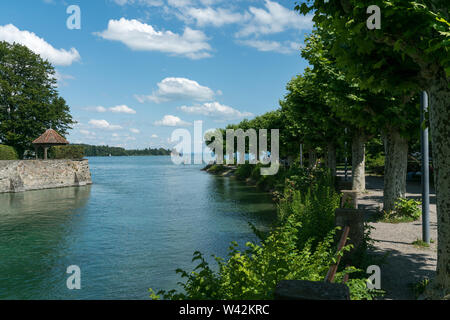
(346, 160)
(425, 170)
(301, 155)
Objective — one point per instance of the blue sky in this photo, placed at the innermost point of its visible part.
(138, 69)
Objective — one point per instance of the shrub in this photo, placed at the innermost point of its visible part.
(405, 210)
(8, 153)
(255, 272)
(256, 172)
(301, 246)
(314, 208)
(67, 152)
(216, 168)
(267, 183)
(244, 171)
(375, 164)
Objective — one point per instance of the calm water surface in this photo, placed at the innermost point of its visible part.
(141, 219)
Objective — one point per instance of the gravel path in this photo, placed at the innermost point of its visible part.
(405, 264)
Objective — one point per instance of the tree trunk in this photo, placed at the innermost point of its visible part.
(396, 149)
(301, 155)
(312, 158)
(358, 162)
(440, 135)
(331, 158)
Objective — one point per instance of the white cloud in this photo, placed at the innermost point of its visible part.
(154, 136)
(172, 121)
(60, 57)
(171, 89)
(98, 109)
(152, 3)
(179, 3)
(143, 37)
(215, 17)
(274, 19)
(286, 47)
(87, 133)
(116, 109)
(133, 130)
(122, 109)
(103, 124)
(215, 109)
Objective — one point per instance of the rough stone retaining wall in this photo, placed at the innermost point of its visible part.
(25, 175)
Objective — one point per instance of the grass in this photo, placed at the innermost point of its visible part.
(419, 287)
(395, 219)
(421, 244)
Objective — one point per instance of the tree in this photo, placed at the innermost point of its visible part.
(29, 102)
(409, 52)
(304, 104)
(364, 113)
(342, 96)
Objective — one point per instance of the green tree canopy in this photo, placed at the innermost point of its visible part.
(410, 52)
(29, 101)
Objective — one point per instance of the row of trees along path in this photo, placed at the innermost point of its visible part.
(407, 55)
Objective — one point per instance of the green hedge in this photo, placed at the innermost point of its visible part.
(8, 153)
(67, 152)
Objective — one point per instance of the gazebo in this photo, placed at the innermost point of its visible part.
(48, 139)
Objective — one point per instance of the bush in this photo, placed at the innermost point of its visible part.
(244, 171)
(216, 168)
(375, 164)
(254, 273)
(8, 153)
(256, 172)
(405, 210)
(314, 208)
(67, 152)
(301, 246)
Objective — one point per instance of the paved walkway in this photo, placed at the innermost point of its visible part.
(406, 264)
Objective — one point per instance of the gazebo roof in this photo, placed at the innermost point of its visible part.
(50, 136)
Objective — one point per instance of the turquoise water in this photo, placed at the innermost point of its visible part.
(141, 219)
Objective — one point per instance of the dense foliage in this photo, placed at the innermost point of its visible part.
(405, 210)
(105, 151)
(67, 152)
(408, 54)
(300, 246)
(8, 153)
(29, 102)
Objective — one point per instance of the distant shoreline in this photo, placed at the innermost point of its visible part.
(134, 155)
(106, 151)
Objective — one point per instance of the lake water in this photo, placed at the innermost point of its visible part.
(141, 219)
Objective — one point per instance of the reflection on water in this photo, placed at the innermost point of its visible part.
(141, 219)
(35, 230)
(52, 201)
(244, 200)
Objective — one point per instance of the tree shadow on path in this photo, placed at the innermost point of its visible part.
(401, 271)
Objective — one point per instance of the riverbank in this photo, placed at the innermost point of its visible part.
(406, 263)
(27, 175)
(251, 175)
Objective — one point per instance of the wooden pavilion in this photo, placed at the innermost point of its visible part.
(48, 139)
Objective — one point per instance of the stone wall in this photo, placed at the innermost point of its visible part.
(24, 175)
